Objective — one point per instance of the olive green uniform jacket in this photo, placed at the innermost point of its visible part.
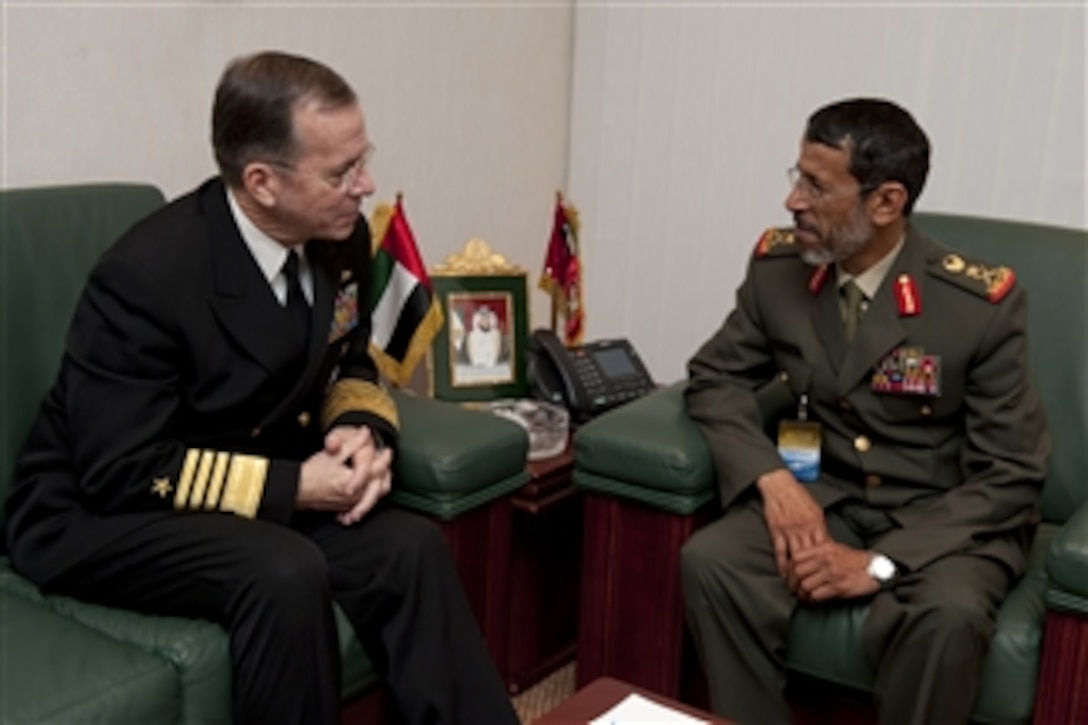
(959, 470)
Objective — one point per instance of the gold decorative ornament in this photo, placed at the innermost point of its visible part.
(476, 259)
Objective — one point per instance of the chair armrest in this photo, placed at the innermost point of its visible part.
(451, 459)
(1067, 563)
(648, 450)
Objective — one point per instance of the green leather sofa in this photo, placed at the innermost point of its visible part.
(649, 483)
(62, 660)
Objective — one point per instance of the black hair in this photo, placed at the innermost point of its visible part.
(883, 141)
(255, 101)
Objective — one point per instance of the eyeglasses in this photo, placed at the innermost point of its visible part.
(340, 180)
(814, 190)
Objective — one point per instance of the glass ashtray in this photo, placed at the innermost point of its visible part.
(546, 424)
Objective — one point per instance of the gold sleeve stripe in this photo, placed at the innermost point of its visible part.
(352, 395)
(244, 485)
(185, 480)
(211, 500)
(200, 483)
(214, 480)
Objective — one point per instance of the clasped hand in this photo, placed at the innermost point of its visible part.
(816, 567)
(347, 477)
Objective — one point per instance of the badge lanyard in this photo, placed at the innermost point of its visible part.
(799, 444)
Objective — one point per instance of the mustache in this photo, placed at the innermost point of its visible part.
(800, 223)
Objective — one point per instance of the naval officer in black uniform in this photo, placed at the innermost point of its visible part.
(217, 444)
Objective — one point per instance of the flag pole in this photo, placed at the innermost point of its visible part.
(555, 301)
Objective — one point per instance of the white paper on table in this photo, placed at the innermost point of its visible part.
(636, 709)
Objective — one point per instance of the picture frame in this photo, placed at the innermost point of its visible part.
(479, 354)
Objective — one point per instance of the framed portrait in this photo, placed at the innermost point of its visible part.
(480, 352)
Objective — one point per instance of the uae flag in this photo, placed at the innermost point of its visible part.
(562, 275)
(405, 313)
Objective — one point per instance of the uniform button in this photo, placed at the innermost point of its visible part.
(255, 433)
(926, 411)
(303, 419)
(872, 480)
(844, 404)
(862, 444)
(784, 376)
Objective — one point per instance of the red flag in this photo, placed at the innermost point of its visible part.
(562, 275)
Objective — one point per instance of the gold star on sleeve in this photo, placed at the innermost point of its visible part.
(161, 487)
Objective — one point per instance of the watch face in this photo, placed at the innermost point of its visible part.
(881, 568)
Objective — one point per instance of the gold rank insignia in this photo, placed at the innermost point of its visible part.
(993, 283)
(775, 241)
(161, 487)
(221, 481)
(354, 395)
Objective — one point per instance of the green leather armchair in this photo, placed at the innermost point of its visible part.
(62, 660)
(649, 483)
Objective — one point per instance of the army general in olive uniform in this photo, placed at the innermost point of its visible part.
(914, 445)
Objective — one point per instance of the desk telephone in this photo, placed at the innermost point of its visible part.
(588, 379)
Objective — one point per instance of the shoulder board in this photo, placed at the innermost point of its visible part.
(776, 242)
(992, 283)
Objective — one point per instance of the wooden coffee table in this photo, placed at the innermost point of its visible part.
(599, 696)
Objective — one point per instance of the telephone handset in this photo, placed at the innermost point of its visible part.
(587, 379)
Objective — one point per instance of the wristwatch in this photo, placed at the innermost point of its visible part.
(881, 568)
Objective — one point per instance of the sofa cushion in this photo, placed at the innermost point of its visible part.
(58, 670)
(50, 238)
(1067, 564)
(649, 451)
(458, 459)
(824, 643)
(197, 651)
(1051, 263)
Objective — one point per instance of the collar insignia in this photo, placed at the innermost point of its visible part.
(907, 300)
(816, 281)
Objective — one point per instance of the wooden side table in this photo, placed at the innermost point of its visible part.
(604, 693)
(631, 623)
(545, 561)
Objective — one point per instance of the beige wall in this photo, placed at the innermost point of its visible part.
(468, 104)
(684, 120)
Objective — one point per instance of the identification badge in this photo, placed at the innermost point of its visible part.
(345, 313)
(799, 447)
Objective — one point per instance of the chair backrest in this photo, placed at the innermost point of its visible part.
(1052, 264)
(50, 237)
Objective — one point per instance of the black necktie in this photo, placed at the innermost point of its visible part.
(298, 311)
